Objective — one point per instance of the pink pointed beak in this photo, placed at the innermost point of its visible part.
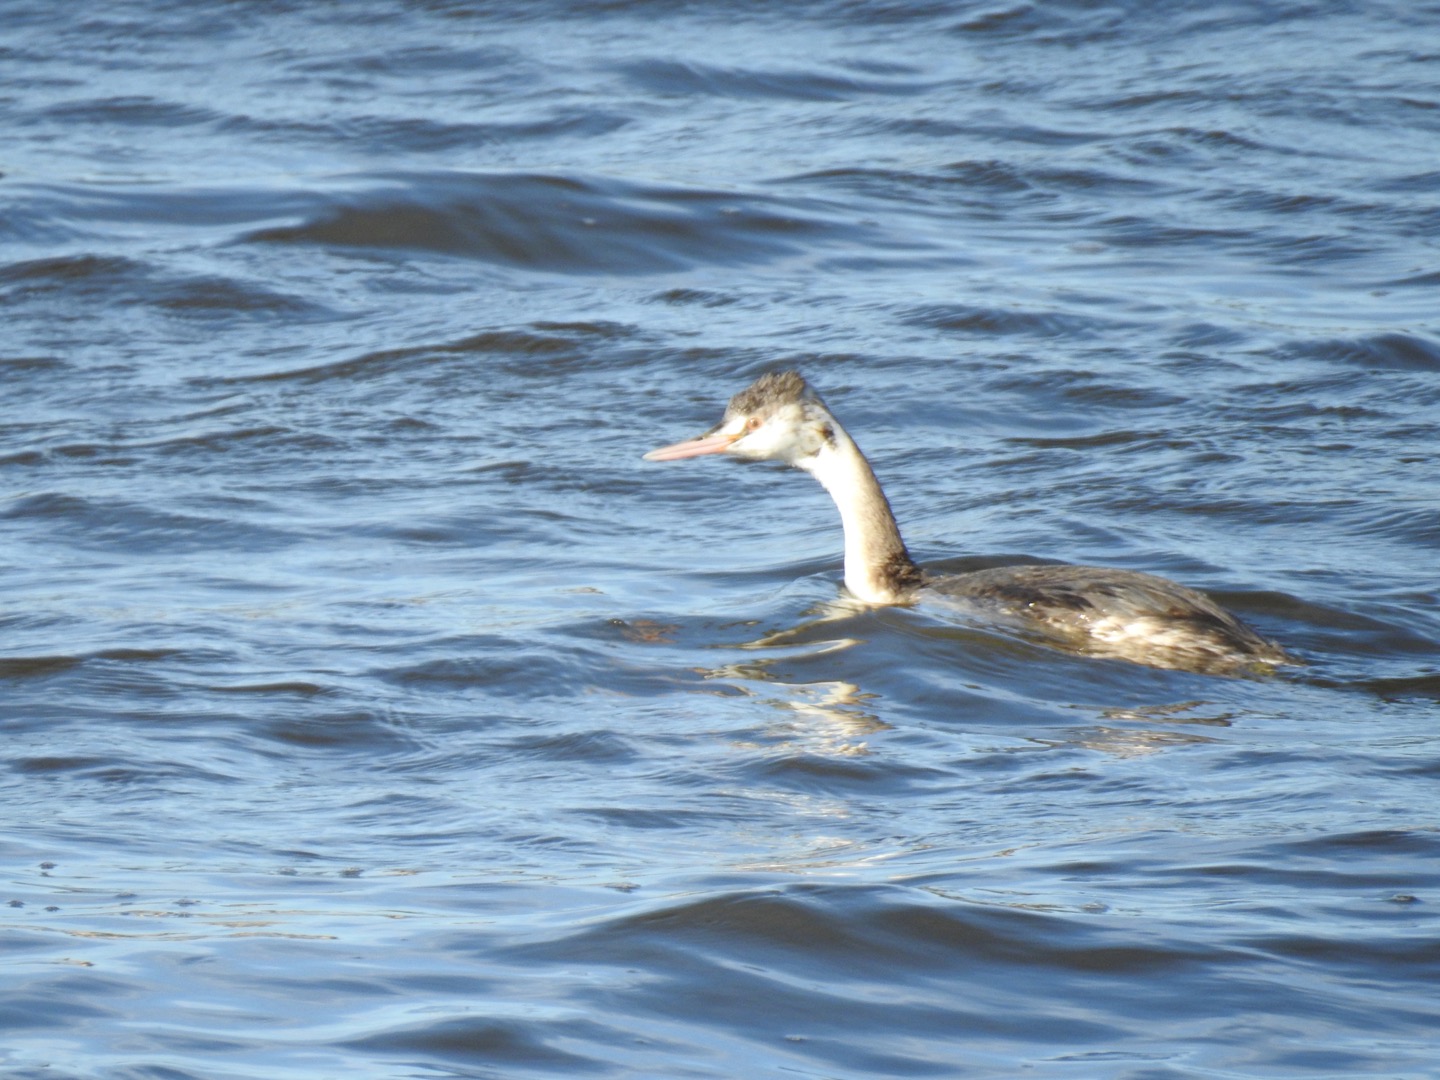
(709, 444)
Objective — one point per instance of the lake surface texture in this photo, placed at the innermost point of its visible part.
(369, 709)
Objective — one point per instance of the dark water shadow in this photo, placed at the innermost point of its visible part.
(566, 224)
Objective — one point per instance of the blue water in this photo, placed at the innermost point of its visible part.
(370, 709)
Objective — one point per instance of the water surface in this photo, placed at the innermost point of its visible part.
(371, 708)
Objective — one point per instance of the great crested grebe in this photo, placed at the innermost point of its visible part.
(1106, 612)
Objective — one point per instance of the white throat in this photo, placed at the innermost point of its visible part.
(878, 569)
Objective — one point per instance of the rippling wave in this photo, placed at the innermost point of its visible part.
(563, 224)
(370, 707)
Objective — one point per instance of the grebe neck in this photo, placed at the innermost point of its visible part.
(878, 568)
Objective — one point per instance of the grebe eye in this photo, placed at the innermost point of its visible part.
(753, 424)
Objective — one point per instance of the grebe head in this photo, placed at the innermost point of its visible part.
(778, 417)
